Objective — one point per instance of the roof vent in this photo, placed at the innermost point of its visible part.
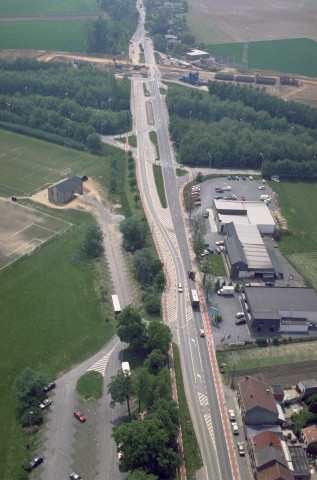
(268, 391)
(247, 377)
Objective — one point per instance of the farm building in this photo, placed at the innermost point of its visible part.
(245, 213)
(307, 387)
(195, 54)
(245, 253)
(280, 309)
(65, 191)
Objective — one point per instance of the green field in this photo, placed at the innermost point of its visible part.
(39, 164)
(266, 356)
(64, 36)
(58, 6)
(296, 55)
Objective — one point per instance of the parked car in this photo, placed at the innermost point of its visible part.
(74, 476)
(250, 177)
(210, 250)
(206, 252)
(206, 214)
(180, 288)
(241, 451)
(202, 332)
(243, 197)
(235, 428)
(220, 242)
(244, 178)
(231, 415)
(218, 197)
(198, 204)
(227, 188)
(237, 177)
(35, 462)
(217, 250)
(206, 245)
(219, 189)
(229, 177)
(240, 321)
(261, 187)
(46, 403)
(80, 416)
(49, 387)
(269, 284)
(239, 315)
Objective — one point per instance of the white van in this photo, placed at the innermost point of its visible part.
(227, 188)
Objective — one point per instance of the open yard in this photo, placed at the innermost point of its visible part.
(251, 20)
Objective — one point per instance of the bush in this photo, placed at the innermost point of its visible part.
(36, 418)
(152, 304)
(275, 341)
(261, 342)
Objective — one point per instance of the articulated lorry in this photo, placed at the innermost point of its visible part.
(226, 290)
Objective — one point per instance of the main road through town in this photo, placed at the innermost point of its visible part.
(203, 391)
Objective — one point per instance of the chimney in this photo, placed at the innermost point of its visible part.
(268, 391)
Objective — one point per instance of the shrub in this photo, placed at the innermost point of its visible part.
(261, 342)
(275, 341)
(152, 304)
(36, 418)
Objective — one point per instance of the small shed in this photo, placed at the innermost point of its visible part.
(65, 191)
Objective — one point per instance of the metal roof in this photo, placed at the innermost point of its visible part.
(258, 213)
(68, 184)
(289, 299)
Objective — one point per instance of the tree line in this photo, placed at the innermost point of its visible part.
(63, 101)
(148, 446)
(111, 35)
(243, 131)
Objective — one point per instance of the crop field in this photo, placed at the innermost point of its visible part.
(296, 55)
(64, 36)
(22, 229)
(58, 6)
(27, 165)
(251, 20)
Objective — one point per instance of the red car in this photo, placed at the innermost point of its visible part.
(80, 416)
(242, 197)
(198, 204)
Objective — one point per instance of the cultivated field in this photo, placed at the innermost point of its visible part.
(22, 229)
(219, 21)
(297, 56)
(64, 36)
(34, 6)
(28, 165)
(285, 364)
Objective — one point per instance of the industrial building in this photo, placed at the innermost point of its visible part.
(195, 54)
(279, 309)
(65, 191)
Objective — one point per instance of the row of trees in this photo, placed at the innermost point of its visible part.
(64, 102)
(211, 131)
(148, 447)
(111, 35)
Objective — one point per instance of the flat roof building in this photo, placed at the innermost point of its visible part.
(195, 54)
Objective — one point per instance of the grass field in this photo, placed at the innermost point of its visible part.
(38, 164)
(58, 6)
(268, 356)
(64, 36)
(297, 55)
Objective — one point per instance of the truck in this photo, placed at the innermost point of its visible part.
(226, 290)
(264, 197)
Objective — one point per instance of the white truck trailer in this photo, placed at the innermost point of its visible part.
(226, 290)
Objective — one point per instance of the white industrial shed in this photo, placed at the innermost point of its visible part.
(246, 213)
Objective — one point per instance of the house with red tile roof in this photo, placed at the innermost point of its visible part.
(309, 435)
(270, 458)
(257, 402)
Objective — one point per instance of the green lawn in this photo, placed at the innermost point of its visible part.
(58, 6)
(90, 385)
(295, 55)
(64, 36)
(40, 332)
(40, 164)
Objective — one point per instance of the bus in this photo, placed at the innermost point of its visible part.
(194, 298)
(116, 305)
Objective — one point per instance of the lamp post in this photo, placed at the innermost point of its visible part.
(68, 119)
(209, 162)
(109, 101)
(261, 161)
(26, 91)
(31, 426)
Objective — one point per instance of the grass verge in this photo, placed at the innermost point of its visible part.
(159, 182)
(90, 385)
(193, 460)
(133, 141)
(215, 263)
(153, 138)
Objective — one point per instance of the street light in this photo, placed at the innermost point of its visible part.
(31, 413)
(109, 100)
(26, 91)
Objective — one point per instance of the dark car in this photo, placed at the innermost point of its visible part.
(80, 416)
(74, 476)
(244, 178)
(269, 284)
(210, 250)
(35, 462)
(229, 177)
(49, 387)
(206, 214)
(240, 321)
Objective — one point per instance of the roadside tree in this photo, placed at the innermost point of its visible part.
(28, 388)
(155, 361)
(130, 328)
(121, 389)
(134, 233)
(93, 242)
(159, 336)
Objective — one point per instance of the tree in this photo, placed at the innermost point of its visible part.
(146, 445)
(155, 361)
(28, 388)
(168, 412)
(159, 336)
(208, 287)
(217, 285)
(142, 383)
(134, 233)
(93, 142)
(132, 183)
(130, 327)
(159, 281)
(199, 177)
(152, 304)
(146, 265)
(121, 389)
(205, 268)
(136, 198)
(140, 474)
(93, 242)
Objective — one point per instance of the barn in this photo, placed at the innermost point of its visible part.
(65, 191)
